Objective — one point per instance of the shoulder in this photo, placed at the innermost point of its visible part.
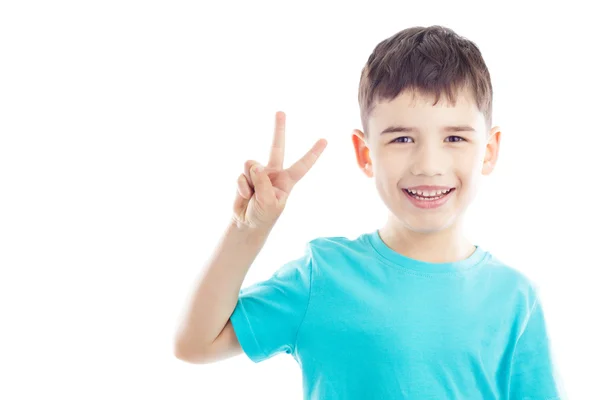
(328, 247)
(328, 254)
(319, 253)
(511, 282)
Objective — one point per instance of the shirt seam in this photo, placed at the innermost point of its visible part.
(310, 286)
(409, 271)
(258, 346)
(531, 311)
(521, 332)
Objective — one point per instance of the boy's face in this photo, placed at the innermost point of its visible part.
(428, 155)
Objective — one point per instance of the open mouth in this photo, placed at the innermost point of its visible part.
(428, 195)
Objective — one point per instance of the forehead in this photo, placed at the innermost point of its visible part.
(417, 110)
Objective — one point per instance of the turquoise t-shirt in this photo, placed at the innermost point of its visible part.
(365, 322)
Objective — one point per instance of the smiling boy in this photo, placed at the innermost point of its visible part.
(414, 309)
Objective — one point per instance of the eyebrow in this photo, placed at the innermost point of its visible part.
(400, 128)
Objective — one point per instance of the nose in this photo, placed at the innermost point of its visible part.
(428, 160)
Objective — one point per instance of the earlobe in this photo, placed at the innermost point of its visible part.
(369, 170)
(488, 167)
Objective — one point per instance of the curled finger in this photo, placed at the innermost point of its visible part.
(244, 188)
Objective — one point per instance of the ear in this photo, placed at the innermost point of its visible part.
(361, 150)
(491, 151)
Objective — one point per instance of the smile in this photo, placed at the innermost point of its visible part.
(428, 198)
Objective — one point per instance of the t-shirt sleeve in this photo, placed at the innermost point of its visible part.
(268, 314)
(534, 374)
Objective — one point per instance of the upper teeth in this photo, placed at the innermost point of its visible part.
(429, 193)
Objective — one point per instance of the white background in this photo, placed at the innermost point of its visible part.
(124, 125)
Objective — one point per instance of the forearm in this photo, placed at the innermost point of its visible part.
(216, 293)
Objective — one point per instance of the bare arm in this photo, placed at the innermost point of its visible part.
(216, 292)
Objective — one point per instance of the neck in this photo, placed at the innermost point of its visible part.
(448, 245)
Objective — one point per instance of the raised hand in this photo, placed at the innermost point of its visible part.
(263, 191)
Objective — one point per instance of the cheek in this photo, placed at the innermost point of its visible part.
(469, 174)
(468, 166)
(390, 163)
(387, 174)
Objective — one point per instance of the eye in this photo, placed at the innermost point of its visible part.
(401, 139)
(456, 139)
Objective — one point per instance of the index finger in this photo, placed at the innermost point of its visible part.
(278, 145)
(303, 165)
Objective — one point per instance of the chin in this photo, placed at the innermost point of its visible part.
(426, 225)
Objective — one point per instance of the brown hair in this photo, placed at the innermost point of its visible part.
(426, 60)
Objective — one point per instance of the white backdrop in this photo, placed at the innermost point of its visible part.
(124, 125)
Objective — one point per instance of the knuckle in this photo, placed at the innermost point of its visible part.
(248, 165)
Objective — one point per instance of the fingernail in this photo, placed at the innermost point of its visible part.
(258, 168)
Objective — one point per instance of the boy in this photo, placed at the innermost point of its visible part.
(412, 310)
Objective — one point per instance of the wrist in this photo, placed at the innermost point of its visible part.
(247, 233)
